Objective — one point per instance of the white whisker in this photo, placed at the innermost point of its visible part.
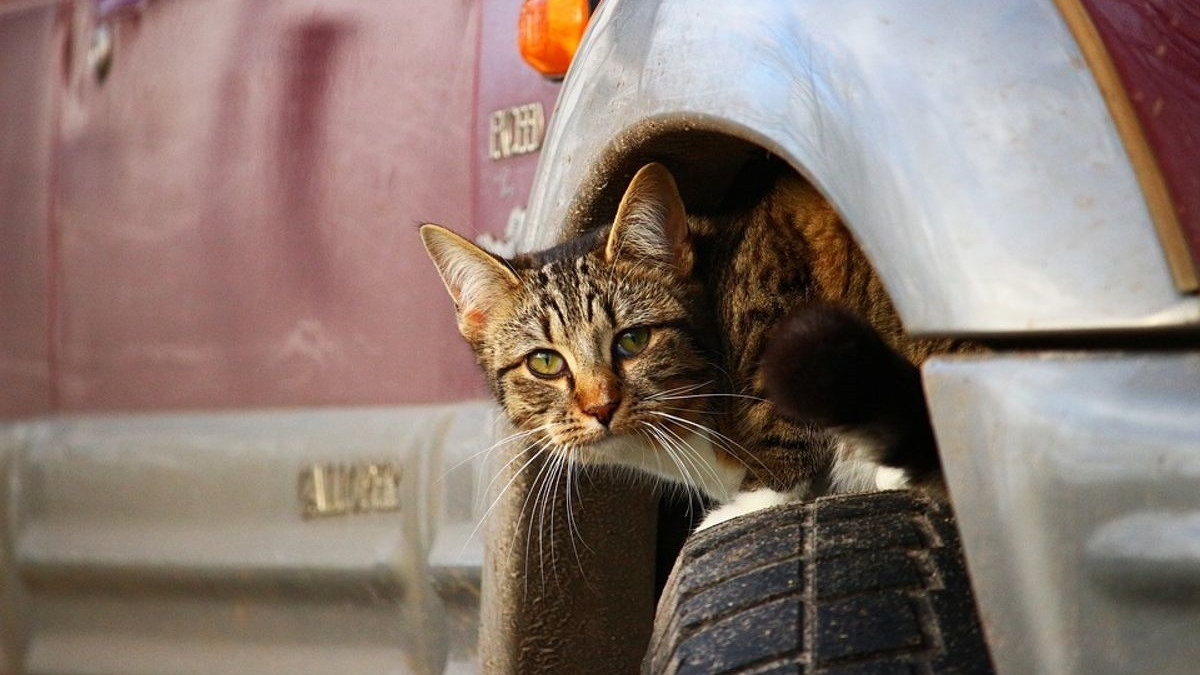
(536, 486)
(708, 432)
(745, 396)
(685, 389)
(668, 446)
(572, 528)
(503, 441)
(676, 488)
(560, 461)
(481, 493)
(541, 444)
(697, 461)
(538, 449)
(718, 439)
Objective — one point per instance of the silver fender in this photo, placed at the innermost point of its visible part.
(966, 145)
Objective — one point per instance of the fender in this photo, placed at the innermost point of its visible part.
(968, 148)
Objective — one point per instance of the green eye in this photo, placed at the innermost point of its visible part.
(632, 342)
(546, 363)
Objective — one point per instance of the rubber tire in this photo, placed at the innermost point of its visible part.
(849, 585)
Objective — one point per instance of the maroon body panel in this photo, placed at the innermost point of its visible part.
(228, 218)
(505, 82)
(31, 49)
(237, 206)
(1155, 47)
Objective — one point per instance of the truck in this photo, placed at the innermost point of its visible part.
(240, 433)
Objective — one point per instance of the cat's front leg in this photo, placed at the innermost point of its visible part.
(745, 502)
(853, 471)
(890, 478)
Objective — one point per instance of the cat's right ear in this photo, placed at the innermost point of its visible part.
(651, 223)
(478, 282)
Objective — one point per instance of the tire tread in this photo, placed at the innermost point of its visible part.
(869, 584)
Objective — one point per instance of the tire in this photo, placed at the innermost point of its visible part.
(849, 585)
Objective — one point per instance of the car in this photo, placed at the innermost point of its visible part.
(238, 431)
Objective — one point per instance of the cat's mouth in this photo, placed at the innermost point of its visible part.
(593, 436)
(589, 443)
(602, 448)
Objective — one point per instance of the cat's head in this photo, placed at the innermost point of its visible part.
(603, 337)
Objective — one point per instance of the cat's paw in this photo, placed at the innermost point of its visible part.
(746, 502)
(827, 366)
(889, 478)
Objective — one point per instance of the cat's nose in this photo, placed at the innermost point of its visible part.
(603, 411)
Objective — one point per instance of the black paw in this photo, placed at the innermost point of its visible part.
(827, 367)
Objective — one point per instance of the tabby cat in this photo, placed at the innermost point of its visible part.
(645, 344)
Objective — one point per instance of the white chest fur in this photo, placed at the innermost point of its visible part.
(683, 457)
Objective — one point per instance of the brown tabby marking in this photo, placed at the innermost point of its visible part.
(708, 290)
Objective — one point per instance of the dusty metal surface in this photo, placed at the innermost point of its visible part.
(969, 149)
(1074, 479)
(179, 544)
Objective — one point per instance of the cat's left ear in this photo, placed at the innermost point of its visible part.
(478, 281)
(651, 223)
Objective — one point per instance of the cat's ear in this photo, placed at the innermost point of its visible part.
(478, 281)
(651, 223)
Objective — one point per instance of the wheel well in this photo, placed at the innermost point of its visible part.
(715, 171)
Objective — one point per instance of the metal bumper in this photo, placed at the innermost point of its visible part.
(301, 541)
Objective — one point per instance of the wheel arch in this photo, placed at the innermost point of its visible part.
(992, 194)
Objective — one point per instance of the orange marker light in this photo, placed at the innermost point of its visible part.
(549, 31)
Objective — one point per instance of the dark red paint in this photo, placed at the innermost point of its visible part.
(233, 219)
(1155, 46)
(31, 49)
(229, 219)
(504, 81)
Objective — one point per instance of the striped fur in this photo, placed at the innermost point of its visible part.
(692, 405)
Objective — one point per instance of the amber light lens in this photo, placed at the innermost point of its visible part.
(549, 31)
